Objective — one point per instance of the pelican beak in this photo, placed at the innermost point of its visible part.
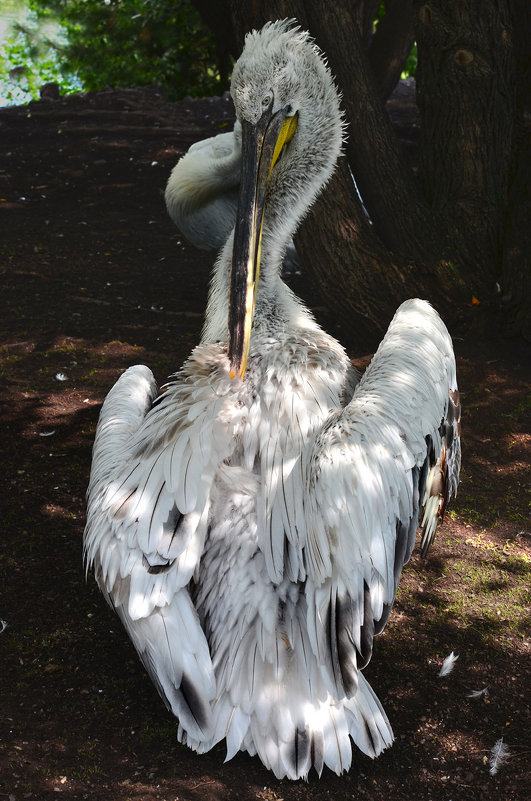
(262, 145)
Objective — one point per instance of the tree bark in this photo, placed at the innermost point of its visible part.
(516, 265)
(386, 183)
(516, 276)
(352, 271)
(368, 15)
(466, 102)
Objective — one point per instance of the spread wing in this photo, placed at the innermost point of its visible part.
(148, 500)
(380, 467)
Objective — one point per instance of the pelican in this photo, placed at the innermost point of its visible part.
(202, 194)
(249, 524)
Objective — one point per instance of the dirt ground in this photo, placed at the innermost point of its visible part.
(95, 278)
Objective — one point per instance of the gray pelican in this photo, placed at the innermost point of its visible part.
(202, 193)
(249, 525)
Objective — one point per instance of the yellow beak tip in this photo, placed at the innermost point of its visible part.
(241, 372)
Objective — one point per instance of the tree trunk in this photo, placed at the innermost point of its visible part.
(516, 266)
(369, 11)
(351, 269)
(516, 278)
(466, 103)
(386, 183)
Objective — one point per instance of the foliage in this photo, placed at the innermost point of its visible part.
(30, 56)
(135, 43)
(91, 44)
(410, 67)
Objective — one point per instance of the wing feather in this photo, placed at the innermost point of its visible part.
(392, 450)
(148, 502)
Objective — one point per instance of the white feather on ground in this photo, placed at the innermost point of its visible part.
(448, 664)
(478, 693)
(498, 756)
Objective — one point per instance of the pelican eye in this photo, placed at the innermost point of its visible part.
(267, 100)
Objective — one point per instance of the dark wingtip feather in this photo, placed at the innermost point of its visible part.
(183, 701)
(300, 755)
(447, 466)
(194, 702)
(367, 630)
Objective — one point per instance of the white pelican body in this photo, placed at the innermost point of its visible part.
(251, 523)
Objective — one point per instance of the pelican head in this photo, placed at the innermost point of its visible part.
(292, 128)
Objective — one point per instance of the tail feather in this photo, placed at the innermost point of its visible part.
(237, 729)
(337, 745)
(323, 736)
(369, 727)
(294, 725)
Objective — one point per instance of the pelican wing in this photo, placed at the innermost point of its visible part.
(387, 462)
(148, 501)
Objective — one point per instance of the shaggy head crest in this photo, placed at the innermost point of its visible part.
(283, 59)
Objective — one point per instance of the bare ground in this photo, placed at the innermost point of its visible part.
(94, 278)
